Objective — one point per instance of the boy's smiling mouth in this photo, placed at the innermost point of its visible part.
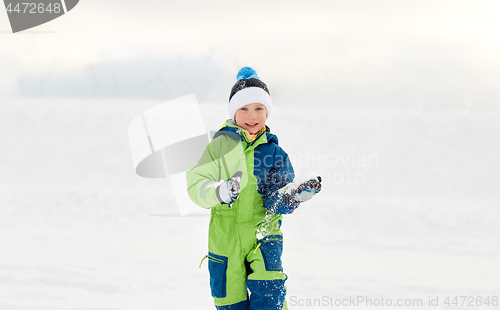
(251, 126)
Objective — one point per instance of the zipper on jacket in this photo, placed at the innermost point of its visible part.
(260, 242)
(213, 259)
(205, 257)
(252, 143)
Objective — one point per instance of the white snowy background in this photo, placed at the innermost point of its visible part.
(395, 103)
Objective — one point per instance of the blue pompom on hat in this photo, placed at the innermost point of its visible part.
(246, 73)
(248, 89)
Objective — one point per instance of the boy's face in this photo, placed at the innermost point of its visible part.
(251, 117)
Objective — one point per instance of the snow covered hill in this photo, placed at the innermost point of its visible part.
(408, 210)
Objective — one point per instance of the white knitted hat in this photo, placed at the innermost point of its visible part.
(248, 89)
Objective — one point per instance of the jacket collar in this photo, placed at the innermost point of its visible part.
(234, 131)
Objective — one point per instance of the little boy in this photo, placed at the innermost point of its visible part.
(246, 180)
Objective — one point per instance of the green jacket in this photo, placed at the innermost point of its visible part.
(257, 213)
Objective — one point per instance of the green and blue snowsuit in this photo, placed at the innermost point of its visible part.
(245, 241)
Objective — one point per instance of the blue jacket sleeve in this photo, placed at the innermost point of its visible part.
(279, 176)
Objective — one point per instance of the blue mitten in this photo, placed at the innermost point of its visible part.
(229, 190)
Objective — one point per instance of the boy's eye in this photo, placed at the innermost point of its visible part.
(243, 109)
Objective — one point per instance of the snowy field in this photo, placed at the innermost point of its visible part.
(408, 210)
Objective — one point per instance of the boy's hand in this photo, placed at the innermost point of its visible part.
(229, 190)
(302, 192)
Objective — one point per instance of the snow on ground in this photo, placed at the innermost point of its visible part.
(408, 209)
